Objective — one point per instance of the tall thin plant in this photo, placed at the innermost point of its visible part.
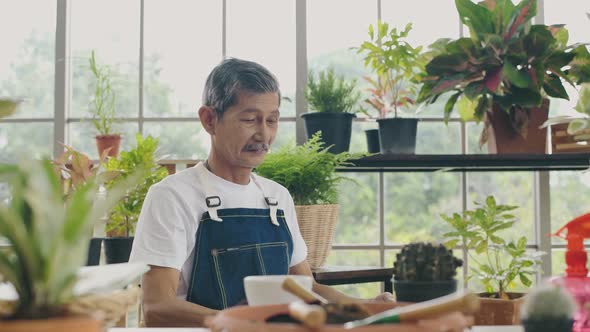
(102, 105)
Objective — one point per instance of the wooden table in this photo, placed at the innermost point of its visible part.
(344, 275)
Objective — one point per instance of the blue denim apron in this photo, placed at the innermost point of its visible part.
(232, 244)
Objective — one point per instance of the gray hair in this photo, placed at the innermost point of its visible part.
(233, 76)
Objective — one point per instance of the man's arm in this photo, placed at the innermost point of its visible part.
(160, 305)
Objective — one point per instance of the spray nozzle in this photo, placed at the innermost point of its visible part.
(575, 256)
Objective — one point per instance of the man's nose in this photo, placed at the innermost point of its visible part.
(263, 131)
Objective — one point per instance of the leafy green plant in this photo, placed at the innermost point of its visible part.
(124, 216)
(503, 261)
(308, 171)
(396, 64)
(505, 61)
(47, 234)
(331, 93)
(102, 105)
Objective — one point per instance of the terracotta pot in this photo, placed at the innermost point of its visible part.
(104, 142)
(498, 311)
(253, 319)
(73, 324)
(503, 138)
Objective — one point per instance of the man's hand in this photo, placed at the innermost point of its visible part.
(383, 297)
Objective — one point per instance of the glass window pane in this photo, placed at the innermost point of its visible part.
(180, 140)
(358, 221)
(330, 38)
(266, 39)
(116, 43)
(439, 21)
(27, 59)
(25, 140)
(509, 188)
(438, 138)
(569, 198)
(285, 134)
(414, 202)
(356, 258)
(81, 136)
(182, 45)
(473, 134)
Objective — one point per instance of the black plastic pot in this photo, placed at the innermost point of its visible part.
(548, 325)
(419, 291)
(373, 140)
(94, 251)
(336, 129)
(397, 135)
(117, 249)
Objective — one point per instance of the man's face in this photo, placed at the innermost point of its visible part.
(246, 131)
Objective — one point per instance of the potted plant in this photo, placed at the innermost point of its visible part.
(333, 100)
(75, 168)
(123, 218)
(503, 73)
(548, 308)
(396, 65)
(48, 235)
(308, 171)
(501, 263)
(102, 109)
(424, 271)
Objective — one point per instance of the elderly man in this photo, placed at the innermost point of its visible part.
(204, 229)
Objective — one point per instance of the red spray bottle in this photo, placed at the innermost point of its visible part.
(576, 279)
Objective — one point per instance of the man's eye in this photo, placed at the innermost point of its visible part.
(248, 120)
(272, 120)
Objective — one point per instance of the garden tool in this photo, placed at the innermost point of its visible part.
(336, 313)
(466, 302)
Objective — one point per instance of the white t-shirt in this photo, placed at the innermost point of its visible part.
(165, 233)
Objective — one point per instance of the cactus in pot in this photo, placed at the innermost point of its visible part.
(423, 271)
(548, 308)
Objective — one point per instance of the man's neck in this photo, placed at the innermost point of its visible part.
(238, 175)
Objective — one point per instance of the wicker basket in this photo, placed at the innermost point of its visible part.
(108, 307)
(318, 225)
(562, 142)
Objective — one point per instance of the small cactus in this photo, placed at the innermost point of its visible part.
(548, 302)
(422, 261)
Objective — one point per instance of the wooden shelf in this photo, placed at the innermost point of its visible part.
(471, 162)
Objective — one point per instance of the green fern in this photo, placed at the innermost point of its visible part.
(308, 171)
(331, 93)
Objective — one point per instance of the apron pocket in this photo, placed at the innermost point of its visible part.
(232, 265)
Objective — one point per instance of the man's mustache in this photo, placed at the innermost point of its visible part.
(258, 146)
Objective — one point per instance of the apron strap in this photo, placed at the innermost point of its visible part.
(213, 201)
(273, 203)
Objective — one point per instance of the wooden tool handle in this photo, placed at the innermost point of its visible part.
(311, 315)
(467, 303)
(294, 288)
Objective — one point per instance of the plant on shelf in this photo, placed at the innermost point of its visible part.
(124, 216)
(396, 66)
(334, 102)
(102, 108)
(497, 263)
(424, 271)
(548, 308)
(308, 172)
(503, 72)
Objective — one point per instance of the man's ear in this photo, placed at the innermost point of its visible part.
(208, 118)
